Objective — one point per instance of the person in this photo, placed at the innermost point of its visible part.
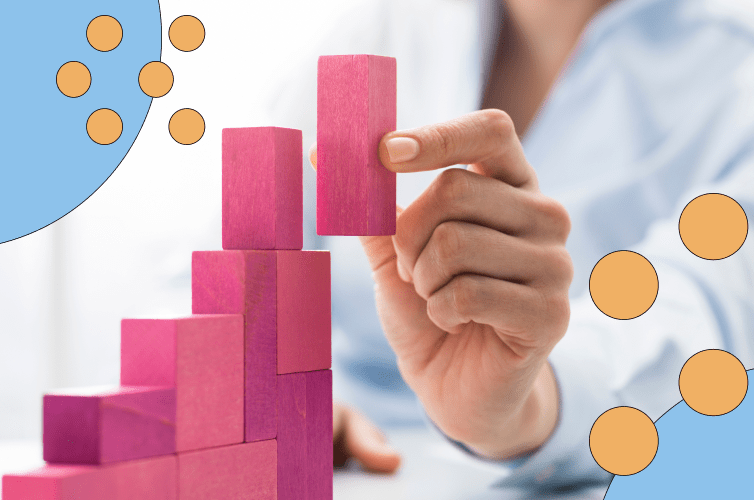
(587, 125)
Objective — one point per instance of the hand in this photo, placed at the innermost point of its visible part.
(472, 291)
(356, 436)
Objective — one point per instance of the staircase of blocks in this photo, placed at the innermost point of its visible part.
(235, 401)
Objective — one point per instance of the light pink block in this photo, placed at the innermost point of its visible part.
(238, 472)
(356, 107)
(262, 188)
(319, 435)
(96, 426)
(148, 479)
(292, 439)
(203, 357)
(285, 296)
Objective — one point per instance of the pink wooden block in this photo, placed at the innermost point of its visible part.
(285, 296)
(96, 426)
(292, 439)
(148, 479)
(303, 298)
(238, 472)
(262, 188)
(202, 356)
(319, 434)
(356, 106)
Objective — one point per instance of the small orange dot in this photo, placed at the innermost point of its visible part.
(623, 285)
(155, 79)
(104, 126)
(713, 382)
(73, 79)
(186, 33)
(713, 226)
(186, 126)
(623, 441)
(104, 33)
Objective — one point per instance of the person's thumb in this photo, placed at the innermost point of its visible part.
(366, 443)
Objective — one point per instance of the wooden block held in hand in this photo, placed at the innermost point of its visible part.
(356, 106)
(148, 479)
(285, 296)
(262, 189)
(98, 426)
(242, 471)
(202, 356)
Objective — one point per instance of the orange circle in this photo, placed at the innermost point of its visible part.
(713, 226)
(73, 79)
(186, 126)
(623, 441)
(623, 284)
(186, 33)
(713, 382)
(156, 79)
(104, 33)
(104, 126)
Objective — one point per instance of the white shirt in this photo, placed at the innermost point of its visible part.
(655, 107)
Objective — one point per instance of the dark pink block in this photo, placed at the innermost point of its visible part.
(97, 427)
(262, 189)
(202, 356)
(238, 472)
(292, 439)
(304, 325)
(319, 440)
(148, 479)
(285, 296)
(356, 107)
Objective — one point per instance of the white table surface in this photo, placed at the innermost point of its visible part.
(431, 469)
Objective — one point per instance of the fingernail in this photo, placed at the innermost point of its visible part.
(401, 149)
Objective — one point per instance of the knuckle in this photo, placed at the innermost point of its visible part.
(464, 296)
(498, 123)
(452, 187)
(448, 243)
(446, 138)
(554, 217)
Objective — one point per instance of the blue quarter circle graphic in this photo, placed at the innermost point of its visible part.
(699, 456)
(48, 163)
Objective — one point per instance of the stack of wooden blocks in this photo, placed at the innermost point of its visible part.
(235, 401)
(232, 402)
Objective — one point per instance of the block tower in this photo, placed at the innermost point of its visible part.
(235, 401)
(232, 402)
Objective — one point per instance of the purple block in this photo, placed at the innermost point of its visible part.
(319, 439)
(292, 438)
(356, 107)
(262, 189)
(285, 296)
(202, 357)
(96, 426)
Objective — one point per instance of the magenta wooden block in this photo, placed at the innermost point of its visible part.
(238, 472)
(319, 434)
(202, 356)
(304, 323)
(148, 479)
(96, 426)
(356, 106)
(285, 296)
(262, 188)
(292, 438)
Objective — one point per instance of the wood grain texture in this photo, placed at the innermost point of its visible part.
(98, 427)
(319, 435)
(292, 440)
(304, 321)
(245, 282)
(148, 479)
(262, 188)
(356, 106)
(203, 357)
(238, 472)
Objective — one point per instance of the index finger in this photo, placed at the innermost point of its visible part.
(486, 139)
